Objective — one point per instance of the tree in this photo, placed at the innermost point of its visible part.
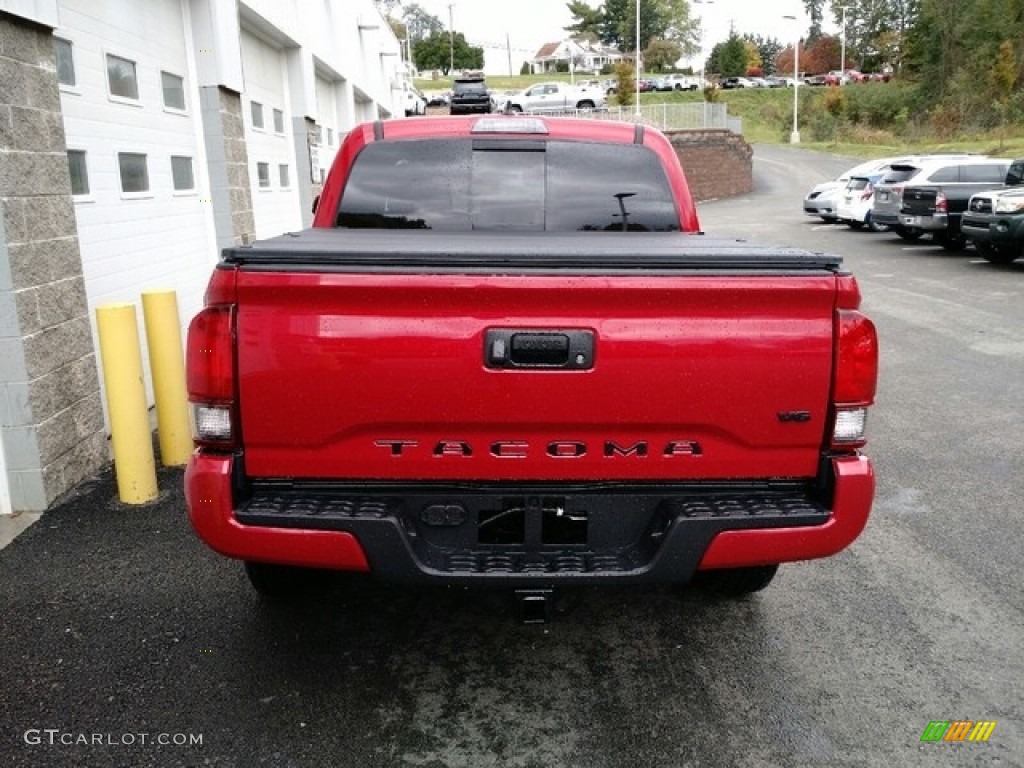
(661, 55)
(587, 20)
(814, 10)
(614, 23)
(729, 59)
(419, 23)
(768, 49)
(436, 51)
(876, 30)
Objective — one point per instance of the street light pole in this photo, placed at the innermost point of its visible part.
(842, 56)
(451, 42)
(637, 80)
(703, 58)
(794, 136)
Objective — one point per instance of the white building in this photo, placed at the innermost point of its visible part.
(578, 55)
(188, 126)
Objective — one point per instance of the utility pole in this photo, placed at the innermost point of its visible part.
(451, 42)
(794, 136)
(842, 56)
(637, 62)
(508, 47)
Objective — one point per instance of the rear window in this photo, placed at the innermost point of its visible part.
(508, 185)
(900, 173)
(471, 86)
(858, 183)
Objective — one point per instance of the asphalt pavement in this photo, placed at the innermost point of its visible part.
(125, 642)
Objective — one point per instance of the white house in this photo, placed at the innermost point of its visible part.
(578, 55)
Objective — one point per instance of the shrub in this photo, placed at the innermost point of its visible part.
(625, 83)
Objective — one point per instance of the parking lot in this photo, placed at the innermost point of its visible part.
(126, 642)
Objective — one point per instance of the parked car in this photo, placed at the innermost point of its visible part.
(469, 96)
(822, 200)
(441, 99)
(684, 82)
(414, 101)
(737, 82)
(854, 202)
(936, 203)
(994, 220)
(888, 198)
(555, 97)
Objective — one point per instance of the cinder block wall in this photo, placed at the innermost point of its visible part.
(51, 417)
(718, 163)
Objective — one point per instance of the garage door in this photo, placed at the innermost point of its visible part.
(268, 134)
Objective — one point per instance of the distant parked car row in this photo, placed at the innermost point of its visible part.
(955, 198)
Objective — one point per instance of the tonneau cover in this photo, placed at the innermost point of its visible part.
(362, 249)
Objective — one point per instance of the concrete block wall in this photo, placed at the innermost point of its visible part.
(717, 163)
(51, 417)
(228, 158)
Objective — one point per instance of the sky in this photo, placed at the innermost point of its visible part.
(523, 26)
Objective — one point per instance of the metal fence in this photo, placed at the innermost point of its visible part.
(665, 117)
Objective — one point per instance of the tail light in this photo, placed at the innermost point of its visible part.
(941, 203)
(210, 376)
(867, 192)
(856, 370)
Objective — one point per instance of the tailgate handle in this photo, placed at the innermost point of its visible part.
(556, 348)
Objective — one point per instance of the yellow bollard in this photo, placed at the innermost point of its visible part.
(167, 364)
(126, 403)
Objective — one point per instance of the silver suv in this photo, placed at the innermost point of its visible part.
(885, 210)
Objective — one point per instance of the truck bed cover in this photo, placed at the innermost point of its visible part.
(361, 250)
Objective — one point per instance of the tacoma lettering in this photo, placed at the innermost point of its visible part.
(556, 449)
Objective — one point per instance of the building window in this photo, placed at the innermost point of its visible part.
(121, 78)
(65, 61)
(330, 137)
(79, 172)
(278, 121)
(181, 172)
(134, 173)
(263, 174)
(174, 91)
(257, 114)
(283, 174)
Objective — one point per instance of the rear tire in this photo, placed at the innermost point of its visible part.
(876, 227)
(952, 242)
(855, 224)
(1006, 254)
(284, 583)
(735, 582)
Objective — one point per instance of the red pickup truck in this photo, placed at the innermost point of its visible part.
(505, 354)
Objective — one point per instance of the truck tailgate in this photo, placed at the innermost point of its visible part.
(391, 375)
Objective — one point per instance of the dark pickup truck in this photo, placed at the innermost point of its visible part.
(505, 354)
(994, 220)
(936, 206)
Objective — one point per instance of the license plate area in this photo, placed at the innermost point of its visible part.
(533, 520)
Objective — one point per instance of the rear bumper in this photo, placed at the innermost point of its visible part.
(886, 218)
(927, 223)
(999, 230)
(537, 535)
